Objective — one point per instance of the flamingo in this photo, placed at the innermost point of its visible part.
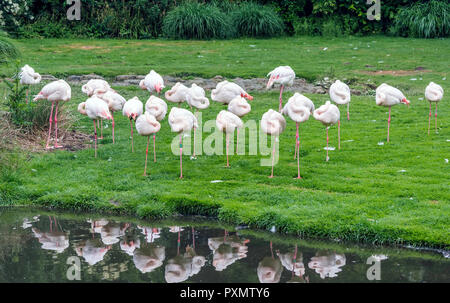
(28, 76)
(340, 94)
(240, 107)
(181, 121)
(434, 93)
(115, 103)
(147, 125)
(55, 91)
(226, 91)
(149, 257)
(273, 124)
(298, 108)
(133, 108)
(270, 268)
(196, 97)
(177, 94)
(327, 265)
(95, 108)
(158, 108)
(153, 82)
(329, 115)
(284, 75)
(228, 122)
(387, 95)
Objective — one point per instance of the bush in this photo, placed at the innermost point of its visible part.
(192, 20)
(424, 20)
(7, 50)
(254, 20)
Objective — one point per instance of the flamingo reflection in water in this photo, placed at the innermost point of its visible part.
(56, 239)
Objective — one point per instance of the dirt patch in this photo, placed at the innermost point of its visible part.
(395, 72)
(83, 47)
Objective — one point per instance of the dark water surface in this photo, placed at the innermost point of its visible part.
(42, 246)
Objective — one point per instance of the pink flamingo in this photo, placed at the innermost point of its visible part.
(389, 96)
(133, 108)
(283, 75)
(226, 91)
(298, 108)
(181, 121)
(434, 93)
(95, 108)
(115, 104)
(55, 91)
(273, 124)
(340, 94)
(147, 125)
(228, 122)
(153, 82)
(28, 76)
(158, 108)
(177, 94)
(329, 115)
(196, 97)
(240, 107)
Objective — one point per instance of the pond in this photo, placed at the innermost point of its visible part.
(46, 246)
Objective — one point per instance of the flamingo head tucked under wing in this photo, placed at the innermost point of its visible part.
(142, 85)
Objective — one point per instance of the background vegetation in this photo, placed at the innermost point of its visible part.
(150, 19)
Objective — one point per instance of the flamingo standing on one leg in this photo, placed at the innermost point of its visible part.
(177, 94)
(181, 121)
(329, 115)
(273, 123)
(387, 95)
(240, 107)
(226, 91)
(115, 104)
(228, 122)
(434, 93)
(147, 125)
(298, 108)
(29, 77)
(95, 108)
(94, 87)
(153, 82)
(196, 98)
(340, 94)
(283, 75)
(133, 108)
(158, 108)
(55, 91)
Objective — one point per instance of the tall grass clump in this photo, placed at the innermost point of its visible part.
(7, 50)
(430, 19)
(192, 20)
(254, 20)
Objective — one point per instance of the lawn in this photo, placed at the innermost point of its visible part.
(392, 193)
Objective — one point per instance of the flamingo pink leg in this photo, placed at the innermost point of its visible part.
(146, 156)
(228, 163)
(296, 143)
(273, 158)
(389, 123)
(429, 120)
(95, 133)
(435, 115)
(56, 126)
(339, 133)
(194, 143)
(181, 157)
(348, 111)
(131, 126)
(237, 140)
(112, 115)
(101, 129)
(281, 98)
(50, 128)
(327, 144)
(298, 152)
(154, 148)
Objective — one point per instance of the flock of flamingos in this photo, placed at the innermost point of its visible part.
(103, 101)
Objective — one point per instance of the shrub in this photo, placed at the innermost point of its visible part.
(7, 50)
(254, 20)
(192, 20)
(424, 20)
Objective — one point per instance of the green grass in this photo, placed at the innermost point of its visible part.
(360, 195)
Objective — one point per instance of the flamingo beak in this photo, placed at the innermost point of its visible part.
(158, 88)
(406, 102)
(250, 98)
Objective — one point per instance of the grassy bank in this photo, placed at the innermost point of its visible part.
(391, 193)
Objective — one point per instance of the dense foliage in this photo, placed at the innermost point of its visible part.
(153, 18)
(7, 50)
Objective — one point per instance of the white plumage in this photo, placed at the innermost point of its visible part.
(147, 124)
(177, 94)
(328, 114)
(133, 108)
(196, 97)
(298, 108)
(283, 75)
(55, 91)
(273, 123)
(114, 100)
(95, 108)
(182, 120)
(387, 95)
(228, 122)
(28, 76)
(95, 86)
(239, 106)
(340, 93)
(226, 91)
(157, 107)
(153, 82)
(434, 92)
